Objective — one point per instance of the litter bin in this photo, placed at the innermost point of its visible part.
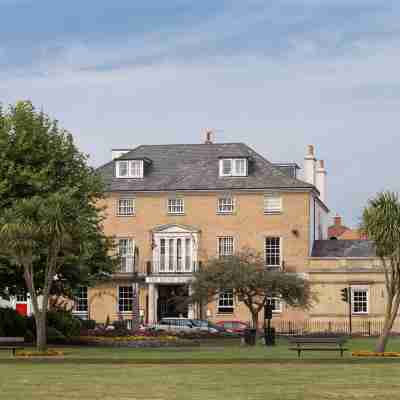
(250, 336)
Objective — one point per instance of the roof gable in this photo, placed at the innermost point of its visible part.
(175, 228)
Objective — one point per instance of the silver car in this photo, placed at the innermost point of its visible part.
(176, 325)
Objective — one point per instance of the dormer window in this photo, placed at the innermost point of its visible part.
(233, 167)
(129, 169)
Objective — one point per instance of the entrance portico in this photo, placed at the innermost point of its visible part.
(175, 249)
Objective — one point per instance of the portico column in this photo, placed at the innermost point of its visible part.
(152, 303)
(191, 307)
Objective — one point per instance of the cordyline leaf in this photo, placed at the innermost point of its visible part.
(381, 223)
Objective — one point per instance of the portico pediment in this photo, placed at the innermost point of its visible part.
(175, 228)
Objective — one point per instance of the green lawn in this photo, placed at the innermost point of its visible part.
(219, 350)
(104, 373)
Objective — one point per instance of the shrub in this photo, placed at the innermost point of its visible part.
(119, 325)
(88, 324)
(64, 322)
(11, 323)
(54, 335)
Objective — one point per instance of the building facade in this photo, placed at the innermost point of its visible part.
(172, 207)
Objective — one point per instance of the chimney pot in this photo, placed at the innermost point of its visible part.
(320, 179)
(208, 137)
(309, 165)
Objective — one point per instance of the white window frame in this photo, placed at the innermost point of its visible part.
(234, 171)
(276, 300)
(125, 300)
(280, 252)
(174, 208)
(134, 169)
(129, 256)
(81, 298)
(165, 253)
(22, 297)
(221, 244)
(230, 307)
(360, 289)
(225, 205)
(126, 210)
(272, 208)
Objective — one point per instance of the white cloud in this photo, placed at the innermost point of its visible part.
(156, 89)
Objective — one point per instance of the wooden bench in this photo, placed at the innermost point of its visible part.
(11, 343)
(317, 344)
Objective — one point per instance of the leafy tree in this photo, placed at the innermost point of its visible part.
(381, 223)
(50, 224)
(244, 273)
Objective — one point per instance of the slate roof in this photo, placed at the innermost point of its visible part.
(343, 248)
(180, 167)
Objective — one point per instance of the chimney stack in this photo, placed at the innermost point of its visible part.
(208, 137)
(309, 165)
(337, 220)
(320, 179)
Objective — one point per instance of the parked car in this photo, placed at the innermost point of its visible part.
(176, 325)
(208, 326)
(233, 326)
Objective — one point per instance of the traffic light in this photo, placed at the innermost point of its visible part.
(345, 295)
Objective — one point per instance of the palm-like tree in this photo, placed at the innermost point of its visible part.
(35, 228)
(381, 223)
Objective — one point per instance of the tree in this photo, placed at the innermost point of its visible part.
(246, 276)
(50, 222)
(381, 223)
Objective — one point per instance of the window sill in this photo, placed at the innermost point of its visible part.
(125, 216)
(129, 177)
(124, 272)
(359, 314)
(233, 176)
(222, 313)
(226, 213)
(273, 212)
(175, 214)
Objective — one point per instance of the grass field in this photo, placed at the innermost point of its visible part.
(104, 373)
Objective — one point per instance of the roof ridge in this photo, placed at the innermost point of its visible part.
(190, 144)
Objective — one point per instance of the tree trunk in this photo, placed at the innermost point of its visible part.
(41, 330)
(254, 317)
(390, 316)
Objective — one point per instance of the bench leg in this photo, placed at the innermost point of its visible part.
(13, 352)
(341, 353)
(298, 353)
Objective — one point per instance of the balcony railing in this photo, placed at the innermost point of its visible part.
(172, 267)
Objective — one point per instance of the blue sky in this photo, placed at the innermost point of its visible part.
(277, 75)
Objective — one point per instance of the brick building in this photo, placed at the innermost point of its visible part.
(171, 207)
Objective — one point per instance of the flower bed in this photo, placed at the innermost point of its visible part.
(48, 353)
(133, 341)
(373, 354)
